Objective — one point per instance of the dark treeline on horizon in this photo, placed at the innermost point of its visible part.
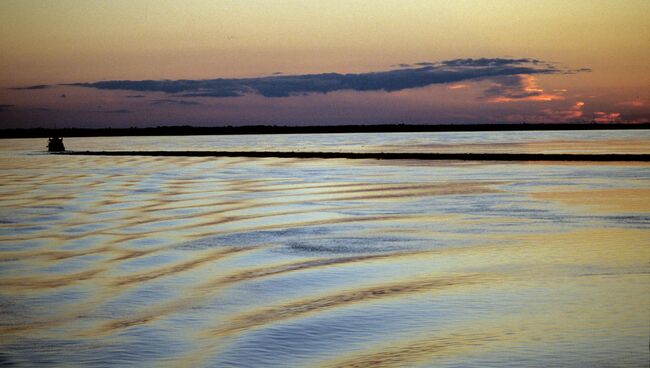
(279, 129)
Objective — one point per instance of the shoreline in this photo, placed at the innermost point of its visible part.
(321, 129)
(379, 155)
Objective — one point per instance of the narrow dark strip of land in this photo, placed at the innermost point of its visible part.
(305, 129)
(380, 155)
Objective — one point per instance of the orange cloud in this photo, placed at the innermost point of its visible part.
(573, 113)
(519, 88)
(632, 103)
(605, 117)
(458, 86)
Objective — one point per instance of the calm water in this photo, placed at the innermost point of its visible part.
(267, 262)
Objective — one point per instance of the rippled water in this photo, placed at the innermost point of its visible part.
(267, 262)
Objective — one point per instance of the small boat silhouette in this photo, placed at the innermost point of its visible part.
(55, 144)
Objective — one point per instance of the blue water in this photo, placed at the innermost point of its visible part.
(267, 262)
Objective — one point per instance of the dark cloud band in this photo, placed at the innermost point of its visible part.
(421, 75)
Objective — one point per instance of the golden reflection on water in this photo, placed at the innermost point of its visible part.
(605, 200)
(629, 146)
(470, 260)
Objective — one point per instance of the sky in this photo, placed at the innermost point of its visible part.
(131, 63)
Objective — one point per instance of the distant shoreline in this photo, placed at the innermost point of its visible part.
(275, 129)
(380, 155)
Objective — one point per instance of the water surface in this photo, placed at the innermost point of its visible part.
(186, 261)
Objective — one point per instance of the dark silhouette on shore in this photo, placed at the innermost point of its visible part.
(302, 129)
(55, 144)
(381, 155)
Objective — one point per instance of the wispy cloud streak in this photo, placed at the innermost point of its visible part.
(37, 86)
(166, 101)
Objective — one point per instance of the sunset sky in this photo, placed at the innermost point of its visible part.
(203, 62)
